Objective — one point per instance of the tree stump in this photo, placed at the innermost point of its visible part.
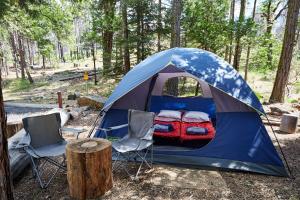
(288, 123)
(89, 165)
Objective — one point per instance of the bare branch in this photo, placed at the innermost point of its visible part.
(279, 13)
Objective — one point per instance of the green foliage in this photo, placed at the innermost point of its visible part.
(259, 60)
(206, 23)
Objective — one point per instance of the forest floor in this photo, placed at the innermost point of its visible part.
(162, 182)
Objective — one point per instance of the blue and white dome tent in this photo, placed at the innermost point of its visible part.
(241, 141)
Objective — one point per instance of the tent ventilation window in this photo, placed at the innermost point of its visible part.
(182, 87)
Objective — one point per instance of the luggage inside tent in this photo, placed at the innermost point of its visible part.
(240, 141)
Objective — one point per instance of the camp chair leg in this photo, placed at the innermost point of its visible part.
(37, 170)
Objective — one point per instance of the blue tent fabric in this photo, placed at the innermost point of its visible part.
(200, 63)
(241, 141)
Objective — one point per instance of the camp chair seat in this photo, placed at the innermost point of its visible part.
(48, 151)
(131, 144)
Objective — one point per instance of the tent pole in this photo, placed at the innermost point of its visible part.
(281, 151)
(95, 122)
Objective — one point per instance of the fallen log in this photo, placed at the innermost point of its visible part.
(18, 159)
(77, 76)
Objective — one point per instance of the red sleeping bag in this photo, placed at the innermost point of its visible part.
(186, 136)
(175, 133)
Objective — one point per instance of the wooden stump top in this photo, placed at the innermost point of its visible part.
(88, 145)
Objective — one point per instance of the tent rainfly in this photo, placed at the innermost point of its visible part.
(241, 140)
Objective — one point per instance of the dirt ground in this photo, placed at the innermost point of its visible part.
(173, 182)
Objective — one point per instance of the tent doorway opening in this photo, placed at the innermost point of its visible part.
(185, 112)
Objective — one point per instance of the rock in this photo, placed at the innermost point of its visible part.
(72, 97)
(96, 102)
(76, 112)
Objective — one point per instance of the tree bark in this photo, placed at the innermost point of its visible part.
(6, 192)
(44, 61)
(108, 6)
(94, 61)
(176, 15)
(238, 47)
(89, 168)
(281, 80)
(30, 59)
(138, 10)
(22, 60)
(126, 54)
(172, 84)
(159, 27)
(232, 9)
(14, 52)
(249, 45)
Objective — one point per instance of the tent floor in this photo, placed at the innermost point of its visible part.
(176, 144)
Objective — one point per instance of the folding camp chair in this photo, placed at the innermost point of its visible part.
(137, 143)
(42, 142)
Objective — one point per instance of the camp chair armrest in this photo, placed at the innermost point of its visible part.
(113, 127)
(105, 130)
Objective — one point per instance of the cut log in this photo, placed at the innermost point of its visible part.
(89, 167)
(277, 111)
(289, 123)
(96, 102)
(12, 128)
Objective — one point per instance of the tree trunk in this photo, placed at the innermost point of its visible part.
(94, 60)
(269, 33)
(6, 192)
(28, 43)
(238, 47)
(22, 60)
(172, 84)
(283, 71)
(249, 45)
(138, 31)
(61, 52)
(44, 61)
(159, 27)
(108, 7)
(232, 10)
(14, 52)
(175, 32)
(125, 35)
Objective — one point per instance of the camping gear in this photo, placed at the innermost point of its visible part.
(137, 142)
(241, 140)
(163, 128)
(89, 161)
(42, 142)
(188, 133)
(194, 130)
(173, 133)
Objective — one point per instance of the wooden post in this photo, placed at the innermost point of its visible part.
(289, 123)
(59, 99)
(89, 167)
